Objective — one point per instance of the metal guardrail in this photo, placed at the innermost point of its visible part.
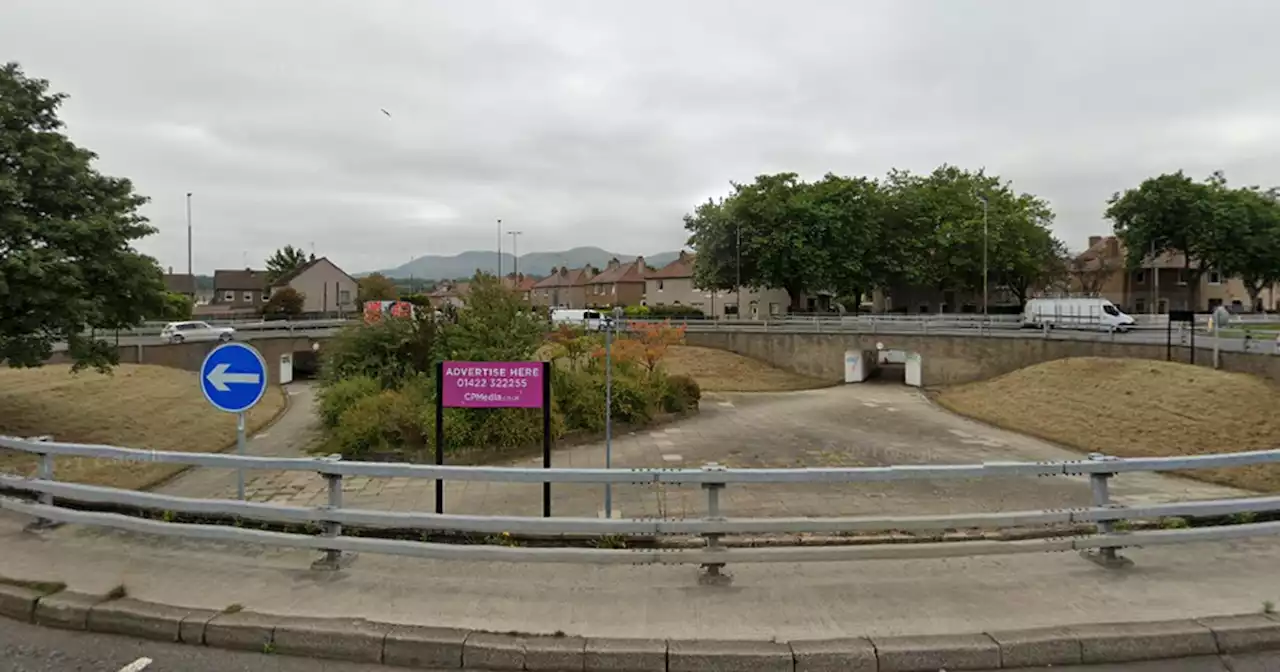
(154, 328)
(711, 527)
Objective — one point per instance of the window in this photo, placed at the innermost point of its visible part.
(228, 296)
(1215, 278)
(1140, 306)
(775, 308)
(1140, 277)
(1214, 303)
(248, 297)
(344, 296)
(730, 309)
(1110, 310)
(659, 285)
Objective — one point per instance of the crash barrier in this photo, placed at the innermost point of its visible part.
(44, 498)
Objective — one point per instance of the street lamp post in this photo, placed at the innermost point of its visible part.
(984, 256)
(189, 271)
(499, 249)
(515, 254)
(610, 326)
(738, 266)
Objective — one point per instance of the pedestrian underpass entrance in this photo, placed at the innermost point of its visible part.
(885, 364)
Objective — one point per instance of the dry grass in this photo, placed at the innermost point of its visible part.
(723, 371)
(1135, 408)
(136, 407)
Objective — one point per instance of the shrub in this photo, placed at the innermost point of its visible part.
(388, 351)
(381, 423)
(680, 393)
(338, 396)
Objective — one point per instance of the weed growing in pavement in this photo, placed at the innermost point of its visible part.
(117, 593)
(1268, 607)
(1173, 523)
(504, 539)
(611, 541)
(268, 648)
(233, 608)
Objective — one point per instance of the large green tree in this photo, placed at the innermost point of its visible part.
(285, 261)
(1253, 248)
(376, 287)
(1174, 213)
(67, 264)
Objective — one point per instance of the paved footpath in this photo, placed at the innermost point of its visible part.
(874, 424)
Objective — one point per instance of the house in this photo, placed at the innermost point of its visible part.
(325, 287)
(564, 288)
(521, 284)
(239, 291)
(923, 299)
(449, 294)
(672, 285)
(618, 284)
(180, 283)
(1160, 284)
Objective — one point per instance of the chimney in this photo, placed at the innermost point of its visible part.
(684, 256)
(1113, 246)
(170, 270)
(1094, 240)
(613, 263)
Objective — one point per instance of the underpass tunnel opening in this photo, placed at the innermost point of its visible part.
(299, 365)
(885, 364)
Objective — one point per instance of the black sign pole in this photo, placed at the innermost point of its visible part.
(546, 436)
(439, 434)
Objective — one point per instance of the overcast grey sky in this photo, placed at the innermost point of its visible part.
(601, 123)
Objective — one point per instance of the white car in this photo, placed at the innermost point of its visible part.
(181, 332)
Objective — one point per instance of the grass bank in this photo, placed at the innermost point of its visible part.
(136, 406)
(1135, 408)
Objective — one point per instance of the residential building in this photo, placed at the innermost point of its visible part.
(325, 288)
(672, 285)
(618, 284)
(521, 284)
(449, 294)
(1161, 283)
(180, 283)
(923, 300)
(237, 290)
(564, 288)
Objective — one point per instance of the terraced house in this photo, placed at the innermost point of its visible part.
(619, 284)
(564, 288)
(672, 285)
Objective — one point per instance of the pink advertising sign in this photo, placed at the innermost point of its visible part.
(492, 384)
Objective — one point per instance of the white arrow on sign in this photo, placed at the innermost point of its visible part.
(219, 378)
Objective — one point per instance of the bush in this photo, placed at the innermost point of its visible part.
(338, 396)
(680, 394)
(389, 351)
(675, 312)
(385, 422)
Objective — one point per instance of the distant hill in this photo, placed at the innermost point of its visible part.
(463, 265)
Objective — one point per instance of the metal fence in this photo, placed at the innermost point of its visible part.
(48, 500)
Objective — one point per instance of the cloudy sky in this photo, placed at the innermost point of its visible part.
(601, 122)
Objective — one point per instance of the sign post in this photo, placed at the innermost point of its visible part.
(494, 385)
(1184, 316)
(233, 379)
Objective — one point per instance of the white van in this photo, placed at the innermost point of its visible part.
(592, 320)
(1082, 313)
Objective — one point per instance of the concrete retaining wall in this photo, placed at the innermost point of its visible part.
(948, 360)
(189, 356)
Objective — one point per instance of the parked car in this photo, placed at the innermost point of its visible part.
(1076, 313)
(181, 332)
(592, 320)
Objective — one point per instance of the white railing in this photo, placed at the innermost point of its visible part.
(46, 499)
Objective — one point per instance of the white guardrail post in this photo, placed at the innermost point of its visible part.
(333, 558)
(1099, 485)
(712, 572)
(44, 471)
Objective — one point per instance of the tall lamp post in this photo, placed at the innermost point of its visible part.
(610, 327)
(189, 271)
(515, 254)
(738, 266)
(984, 256)
(499, 249)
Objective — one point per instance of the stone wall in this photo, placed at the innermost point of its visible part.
(948, 360)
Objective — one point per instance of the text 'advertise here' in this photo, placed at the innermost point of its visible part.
(492, 384)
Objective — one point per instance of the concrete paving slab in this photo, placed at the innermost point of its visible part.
(424, 647)
(1244, 634)
(554, 654)
(1039, 647)
(1123, 642)
(489, 651)
(854, 654)
(1252, 662)
(339, 639)
(1197, 664)
(243, 630)
(66, 610)
(728, 656)
(930, 653)
(18, 602)
(136, 618)
(625, 655)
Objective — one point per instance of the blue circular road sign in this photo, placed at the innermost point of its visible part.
(233, 377)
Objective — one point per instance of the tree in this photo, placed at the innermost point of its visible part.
(763, 233)
(1173, 213)
(67, 264)
(376, 287)
(1253, 222)
(285, 261)
(494, 326)
(177, 307)
(1092, 271)
(285, 301)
